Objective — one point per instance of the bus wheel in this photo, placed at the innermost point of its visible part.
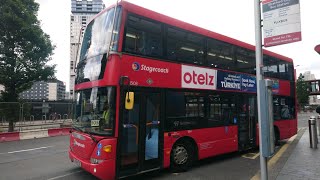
(182, 156)
(276, 137)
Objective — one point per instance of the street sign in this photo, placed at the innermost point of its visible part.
(281, 22)
(45, 108)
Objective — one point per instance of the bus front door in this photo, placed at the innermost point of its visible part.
(247, 122)
(140, 134)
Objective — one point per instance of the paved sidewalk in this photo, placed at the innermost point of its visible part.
(303, 163)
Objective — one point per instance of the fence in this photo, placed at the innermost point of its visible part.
(35, 115)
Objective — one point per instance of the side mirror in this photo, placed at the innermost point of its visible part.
(318, 109)
(129, 100)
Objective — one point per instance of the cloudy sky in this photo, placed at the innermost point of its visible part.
(231, 18)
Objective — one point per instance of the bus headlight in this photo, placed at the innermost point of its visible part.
(95, 161)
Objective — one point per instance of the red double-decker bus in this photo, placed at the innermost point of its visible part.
(154, 92)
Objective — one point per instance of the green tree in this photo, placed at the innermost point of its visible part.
(25, 50)
(302, 91)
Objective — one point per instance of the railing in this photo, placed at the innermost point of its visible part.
(44, 117)
(314, 86)
(35, 114)
(31, 118)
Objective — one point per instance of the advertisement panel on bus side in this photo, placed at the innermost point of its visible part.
(154, 73)
(198, 78)
(237, 82)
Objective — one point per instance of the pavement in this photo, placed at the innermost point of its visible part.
(37, 124)
(295, 160)
(303, 163)
(33, 134)
(35, 129)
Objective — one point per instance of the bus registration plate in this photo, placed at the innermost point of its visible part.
(95, 123)
(77, 162)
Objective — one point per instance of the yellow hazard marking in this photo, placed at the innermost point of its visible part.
(251, 155)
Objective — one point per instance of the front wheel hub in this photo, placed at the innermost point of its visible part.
(180, 155)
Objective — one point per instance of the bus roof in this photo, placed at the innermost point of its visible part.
(189, 27)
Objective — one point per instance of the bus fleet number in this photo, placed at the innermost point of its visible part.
(134, 83)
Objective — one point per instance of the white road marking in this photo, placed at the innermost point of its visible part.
(58, 177)
(25, 150)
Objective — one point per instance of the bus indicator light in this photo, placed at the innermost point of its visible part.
(107, 148)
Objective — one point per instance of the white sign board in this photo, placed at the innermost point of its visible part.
(281, 22)
(198, 78)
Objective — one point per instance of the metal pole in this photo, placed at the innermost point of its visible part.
(313, 132)
(22, 114)
(318, 122)
(259, 64)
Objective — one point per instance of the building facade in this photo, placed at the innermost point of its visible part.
(1, 88)
(313, 99)
(51, 91)
(308, 76)
(82, 11)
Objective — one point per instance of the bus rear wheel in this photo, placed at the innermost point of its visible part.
(276, 137)
(182, 156)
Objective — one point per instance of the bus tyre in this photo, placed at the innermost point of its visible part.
(182, 156)
(276, 138)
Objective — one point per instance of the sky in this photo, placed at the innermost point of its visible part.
(231, 18)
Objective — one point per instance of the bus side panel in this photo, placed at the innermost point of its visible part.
(285, 128)
(210, 141)
(293, 127)
(215, 141)
(285, 88)
(167, 150)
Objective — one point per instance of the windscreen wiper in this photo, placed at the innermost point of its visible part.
(92, 137)
(77, 128)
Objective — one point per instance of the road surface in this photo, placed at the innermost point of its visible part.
(47, 158)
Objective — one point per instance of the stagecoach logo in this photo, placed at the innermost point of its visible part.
(76, 143)
(151, 69)
(136, 66)
(199, 78)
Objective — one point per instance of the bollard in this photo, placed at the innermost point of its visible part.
(313, 132)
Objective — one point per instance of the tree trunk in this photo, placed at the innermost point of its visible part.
(12, 109)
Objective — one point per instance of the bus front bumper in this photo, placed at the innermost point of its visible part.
(104, 170)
